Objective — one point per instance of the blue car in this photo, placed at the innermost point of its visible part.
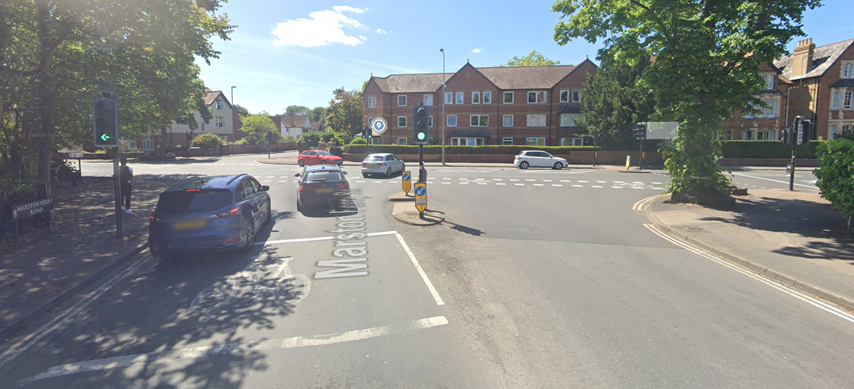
(216, 213)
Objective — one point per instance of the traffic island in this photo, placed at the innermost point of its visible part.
(401, 196)
(405, 212)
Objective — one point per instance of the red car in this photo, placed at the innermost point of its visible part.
(318, 157)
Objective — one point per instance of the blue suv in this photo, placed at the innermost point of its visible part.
(209, 213)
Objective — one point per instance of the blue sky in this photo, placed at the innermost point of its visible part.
(297, 53)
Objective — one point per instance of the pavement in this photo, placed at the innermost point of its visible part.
(796, 238)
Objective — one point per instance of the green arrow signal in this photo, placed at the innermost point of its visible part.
(105, 137)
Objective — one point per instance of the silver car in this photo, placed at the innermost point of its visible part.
(539, 158)
(386, 164)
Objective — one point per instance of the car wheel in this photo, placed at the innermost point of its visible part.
(323, 162)
(558, 166)
(388, 172)
(250, 238)
(364, 175)
(300, 163)
(299, 206)
(523, 165)
(269, 213)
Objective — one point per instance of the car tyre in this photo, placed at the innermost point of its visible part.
(558, 166)
(269, 213)
(323, 162)
(250, 238)
(523, 165)
(299, 207)
(364, 175)
(388, 172)
(301, 163)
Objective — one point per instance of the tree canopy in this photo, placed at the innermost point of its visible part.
(532, 59)
(706, 64)
(297, 110)
(344, 114)
(256, 128)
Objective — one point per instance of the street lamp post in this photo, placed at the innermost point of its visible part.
(232, 94)
(443, 105)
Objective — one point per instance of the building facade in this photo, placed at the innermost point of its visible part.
(532, 105)
(770, 121)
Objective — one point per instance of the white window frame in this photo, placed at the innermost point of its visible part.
(148, 144)
(475, 97)
(507, 141)
(404, 100)
(428, 99)
(404, 122)
(204, 127)
(372, 101)
(847, 69)
(564, 95)
(576, 95)
(487, 97)
(848, 100)
(833, 131)
(771, 112)
(572, 141)
(403, 139)
(480, 122)
(430, 121)
(770, 135)
(504, 97)
(768, 81)
(449, 120)
(836, 99)
(219, 121)
(218, 104)
(573, 118)
(537, 140)
(449, 98)
(537, 95)
(536, 120)
(460, 98)
(461, 141)
(747, 135)
(504, 121)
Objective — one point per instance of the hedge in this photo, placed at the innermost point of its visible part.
(507, 150)
(766, 149)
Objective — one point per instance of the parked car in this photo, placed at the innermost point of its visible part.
(209, 213)
(386, 164)
(318, 157)
(537, 158)
(322, 185)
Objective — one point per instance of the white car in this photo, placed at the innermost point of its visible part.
(536, 158)
(385, 164)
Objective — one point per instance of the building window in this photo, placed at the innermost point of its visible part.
(401, 140)
(428, 99)
(835, 104)
(571, 119)
(747, 135)
(452, 120)
(466, 141)
(220, 122)
(508, 97)
(372, 101)
(460, 97)
(767, 81)
(508, 120)
(770, 135)
(846, 102)
(576, 95)
(204, 127)
(535, 141)
(507, 141)
(429, 121)
(833, 131)
(401, 121)
(536, 121)
(769, 112)
(218, 105)
(572, 142)
(147, 144)
(479, 120)
(564, 96)
(487, 97)
(848, 69)
(538, 97)
(449, 97)
(475, 97)
(401, 100)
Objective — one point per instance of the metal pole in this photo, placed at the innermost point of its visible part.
(422, 175)
(794, 135)
(232, 94)
(443, 105)
(595, 141)
(269, 139)
(118, 191)
(640, 159)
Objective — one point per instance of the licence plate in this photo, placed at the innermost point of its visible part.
(371, 165)
(324, 190)
(189, 225)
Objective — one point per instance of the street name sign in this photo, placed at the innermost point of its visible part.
(406, 179)
(35, 207)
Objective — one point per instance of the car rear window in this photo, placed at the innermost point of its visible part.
(374, 158)
(324, 176)
(193, 201)
(323, 153)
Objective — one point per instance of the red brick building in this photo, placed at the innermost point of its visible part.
(532, 105)
(769, 122)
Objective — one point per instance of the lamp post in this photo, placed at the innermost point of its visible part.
(232, 94)
(443, 105)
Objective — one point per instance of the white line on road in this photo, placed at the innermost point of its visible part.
(596, 186)
(318, 239)
(447, 183)
(538, 184)
(520, 184)
(557, 185)
(547, 180)
(565, 181)
(514, 179)
(421, 271)
(768, 179)
(578, 186)
(232, 348)
(582, 181)
(500, 183)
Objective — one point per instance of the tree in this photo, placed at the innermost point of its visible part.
(532, 59)
(836, 172)
(242, 111)
(298, 110)
(614, 102)
(256, 128)
(344, 114)
(207, 141)
(318, 115)
(706, 63)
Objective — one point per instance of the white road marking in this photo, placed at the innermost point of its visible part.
(784, 288)
(394, 182)
(538, 184)
(481, 183)
(377, 182)
(360, 181)
(657, 183)
(547, 180)
(582, 181)
(318, 239)
(520, 184)
(283, 181)
(637, 182)
(578, 186)
(420, 271)
(269, 177)
(658, 188)
(557, 185)
(530, 180)
(768, 179)
(497, 179)
(232, 348)
(500, 183)
(600, 182)
(446, 178)
(619, 182)
(565, 181)
(596, 186)
(514, 179)
(464, 183)
(447, 183)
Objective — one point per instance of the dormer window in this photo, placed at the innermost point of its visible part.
(848, 69)
(218, 104)
(768, 81)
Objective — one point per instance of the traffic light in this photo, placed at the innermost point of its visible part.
(640, 131)
(364, 133)
(421, 115)
(804, 131)
(105, 115)
(598, 139)
(786, 136)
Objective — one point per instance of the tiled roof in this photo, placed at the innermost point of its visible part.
(823, 57)
(411, 83)
(844, 83)
(526, 77)
(212, 95)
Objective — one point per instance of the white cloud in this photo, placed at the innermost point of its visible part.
(322, 29)
(380, 31)
(362, 37)
(476, 51)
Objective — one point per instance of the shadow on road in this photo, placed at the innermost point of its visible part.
(464, 229)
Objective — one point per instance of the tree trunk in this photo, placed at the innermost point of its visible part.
(47, 95)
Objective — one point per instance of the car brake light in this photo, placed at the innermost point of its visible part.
(154, 219)
(344, 186)
(231, 213)
(193, 190)
(363, 164)
(304, 187)
(382, 164)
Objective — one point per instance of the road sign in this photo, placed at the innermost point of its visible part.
(662, 130)
(379, 126)
(628, 161)
(75, 155)
(406, 178)
(421, 196)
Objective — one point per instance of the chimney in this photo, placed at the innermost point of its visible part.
(292, 124)
(802, 58)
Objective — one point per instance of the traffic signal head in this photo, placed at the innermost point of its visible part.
(786, 136)
(105, 115)
(364, 133)
(421, 115)
(640, 131)
(804, 135)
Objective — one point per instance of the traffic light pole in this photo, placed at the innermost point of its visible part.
(422, 173)
(640, 160)
(118, 191)
(595, 141)
(794, 138)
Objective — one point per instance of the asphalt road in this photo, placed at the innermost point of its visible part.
(538, 278)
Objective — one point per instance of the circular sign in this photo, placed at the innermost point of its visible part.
(379, 125)
(421, 191)
(406, 176)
